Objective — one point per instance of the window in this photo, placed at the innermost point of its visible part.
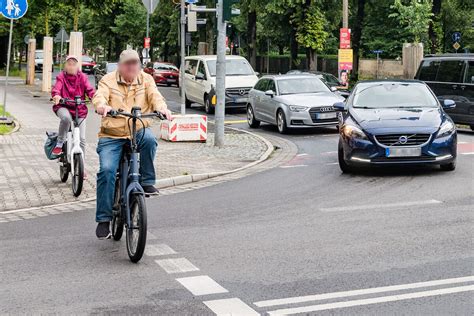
(261, 85)
(271, 86)
(470, 73)
(428, 70)
(301, 86)
(165, 67)
(450, 71)
(190, 66)
(202, 70)
(233, 67)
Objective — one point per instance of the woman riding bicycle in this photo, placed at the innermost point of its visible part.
(70, 83)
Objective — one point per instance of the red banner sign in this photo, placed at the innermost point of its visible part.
(345, 38)
(146, 43)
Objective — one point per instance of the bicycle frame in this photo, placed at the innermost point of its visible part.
(73, 139)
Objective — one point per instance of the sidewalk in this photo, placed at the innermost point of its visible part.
(28, 179)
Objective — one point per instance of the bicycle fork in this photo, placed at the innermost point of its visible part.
(132, 185)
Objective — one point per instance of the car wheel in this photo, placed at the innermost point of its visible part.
(281, 122)
(187, 102)
(208, 106)
(251, 120)
(449, 166)
(345, 168)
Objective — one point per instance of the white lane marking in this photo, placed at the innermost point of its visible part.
(463, 143)
(201, 285)
(377, 206)
(471, 153)
(231, 306)
(332, 163)
(376, 300)
(391, 288)
(159, 250)
(329, 135)
(293, 166)
(299, 155)
(177, 265)
(329, 153)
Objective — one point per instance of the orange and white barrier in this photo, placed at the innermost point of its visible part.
(185, 128)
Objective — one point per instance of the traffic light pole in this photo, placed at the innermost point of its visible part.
(183, 53)
(220, 76)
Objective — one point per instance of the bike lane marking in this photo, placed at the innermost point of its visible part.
(158, 250)
(201, 285)
(230, 306)
(176, 265)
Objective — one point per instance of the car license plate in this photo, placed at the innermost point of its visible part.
(324, 116)
(403, 152)
(171, 80)
(240, 100)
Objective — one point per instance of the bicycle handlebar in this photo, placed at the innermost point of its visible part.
(63, 101)
(115, 113)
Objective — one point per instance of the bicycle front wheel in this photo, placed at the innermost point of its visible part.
(136, 234)
(78, 175)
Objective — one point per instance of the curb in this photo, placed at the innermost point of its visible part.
(15, 129)
(181, 180)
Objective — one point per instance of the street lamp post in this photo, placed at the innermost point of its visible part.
(183, 53)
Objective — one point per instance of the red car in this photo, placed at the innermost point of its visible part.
(163, 73)
(88, 64)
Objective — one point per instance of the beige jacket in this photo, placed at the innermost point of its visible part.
(113, 91)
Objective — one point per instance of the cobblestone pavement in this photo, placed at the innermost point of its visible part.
(28, 179)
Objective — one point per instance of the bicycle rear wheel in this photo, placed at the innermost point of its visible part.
(136, 235)
(117, 220)
(78, 175)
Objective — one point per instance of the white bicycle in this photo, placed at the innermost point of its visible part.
(72, 159)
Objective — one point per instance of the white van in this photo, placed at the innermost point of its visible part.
(200, 81)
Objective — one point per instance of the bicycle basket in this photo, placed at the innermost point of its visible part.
(50, 143)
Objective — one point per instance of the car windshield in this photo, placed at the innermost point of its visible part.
(234, 67)
(330, 79)
(39, 55)
(111, 67)
(86, 59)
(301, 86)
(394, 95)
(165, 67)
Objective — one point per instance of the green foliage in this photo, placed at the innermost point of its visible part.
(311, 32)
(416, 17)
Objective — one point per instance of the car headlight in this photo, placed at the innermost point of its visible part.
(351, 131)
(298, 108)
(446, 129)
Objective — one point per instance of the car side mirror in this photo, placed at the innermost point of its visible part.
(333, 89)
(449, 104)
(199, 77)
(339, 106)
(270, 93)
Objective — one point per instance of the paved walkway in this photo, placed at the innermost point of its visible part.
(28, 179)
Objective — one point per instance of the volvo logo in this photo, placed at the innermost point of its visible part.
(242, 91)
(403, 139)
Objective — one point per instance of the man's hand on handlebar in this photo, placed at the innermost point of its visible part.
(103, 110)
(167, 114)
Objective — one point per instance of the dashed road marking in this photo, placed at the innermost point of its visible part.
(158, 250)
(293, 166)
(230, 306)
(472, 153)
(329, 153)
(201, 285)
(176, 265)
(374, 290)
(376, 300)
(378, 206)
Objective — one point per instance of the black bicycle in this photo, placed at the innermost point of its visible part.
(129, 208)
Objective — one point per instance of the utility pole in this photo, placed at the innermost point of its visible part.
(183, 53)
(220, 76)
(345, 13)
(147, 55)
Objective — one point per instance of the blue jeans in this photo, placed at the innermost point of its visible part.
(110, 152)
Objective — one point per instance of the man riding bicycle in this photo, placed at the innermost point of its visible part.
(123, 89)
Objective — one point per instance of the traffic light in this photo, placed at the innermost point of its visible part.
(228, 12)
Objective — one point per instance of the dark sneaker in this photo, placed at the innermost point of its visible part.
(57, 151)
(103, 230)
(150, 190)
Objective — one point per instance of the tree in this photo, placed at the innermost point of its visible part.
(416, 17)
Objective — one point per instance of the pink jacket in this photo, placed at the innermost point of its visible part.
(69, 86)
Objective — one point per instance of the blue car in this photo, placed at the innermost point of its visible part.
(396, 122)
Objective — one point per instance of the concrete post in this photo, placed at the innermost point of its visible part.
(30, 65)
(75, 46)
(220, 76)
(412, 56)
(47, 63)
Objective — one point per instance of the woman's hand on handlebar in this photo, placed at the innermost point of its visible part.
(56, 99)
(167, 114)
(103, 110)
